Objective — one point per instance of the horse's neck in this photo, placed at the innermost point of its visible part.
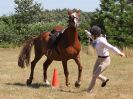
(72, 35)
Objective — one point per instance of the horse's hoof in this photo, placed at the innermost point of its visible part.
(28, 82)
(67, 84)
(77, 84)
(46, 83)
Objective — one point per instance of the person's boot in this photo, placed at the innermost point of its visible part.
(104, 83)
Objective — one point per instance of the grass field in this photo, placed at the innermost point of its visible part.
(13, 79)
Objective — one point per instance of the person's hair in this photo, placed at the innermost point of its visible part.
(95, 30)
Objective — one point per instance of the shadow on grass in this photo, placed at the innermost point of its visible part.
(72, 91)
(34, 85)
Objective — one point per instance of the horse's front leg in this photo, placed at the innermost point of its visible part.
(64, 63)
(45, 67)
(78, 82)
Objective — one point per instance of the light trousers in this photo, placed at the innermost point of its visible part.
(100, 65)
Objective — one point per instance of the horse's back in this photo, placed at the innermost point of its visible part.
(58, 28)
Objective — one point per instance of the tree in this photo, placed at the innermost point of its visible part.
(27, 12)
(114, 18)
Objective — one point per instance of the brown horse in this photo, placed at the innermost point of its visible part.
(68, 47)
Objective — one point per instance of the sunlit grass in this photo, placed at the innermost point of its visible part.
(13, 79)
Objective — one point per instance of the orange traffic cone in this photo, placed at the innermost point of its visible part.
(55, 81)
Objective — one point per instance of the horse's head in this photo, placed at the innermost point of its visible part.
(73, 18)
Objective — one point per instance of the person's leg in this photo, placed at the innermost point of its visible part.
(102, 78)
(94, 77)
(99, 67)
(93, 81)
(104, 64)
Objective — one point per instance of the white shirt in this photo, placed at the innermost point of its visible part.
(102, 47)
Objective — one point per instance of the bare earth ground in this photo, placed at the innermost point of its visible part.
(13, 79)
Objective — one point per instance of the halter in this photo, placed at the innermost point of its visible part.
(71, 20)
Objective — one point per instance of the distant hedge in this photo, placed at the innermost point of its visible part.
(29, 19)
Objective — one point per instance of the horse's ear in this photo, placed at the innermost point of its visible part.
(69, 12)
(78, 12)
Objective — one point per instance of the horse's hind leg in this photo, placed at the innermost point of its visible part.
(38, 56)
(78, 82)
(66, 72)
(45, 67)
(33, 64)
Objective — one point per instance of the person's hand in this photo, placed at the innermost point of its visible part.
(122, 54)
(88, 33)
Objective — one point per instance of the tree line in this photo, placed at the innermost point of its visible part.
(30, 19)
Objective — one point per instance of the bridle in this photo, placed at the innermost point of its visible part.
(71, 20)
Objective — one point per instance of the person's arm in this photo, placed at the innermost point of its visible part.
(114, 49)
(88, 34)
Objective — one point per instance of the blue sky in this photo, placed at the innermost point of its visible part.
(7, 6)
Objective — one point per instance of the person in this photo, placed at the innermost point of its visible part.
(103, 61)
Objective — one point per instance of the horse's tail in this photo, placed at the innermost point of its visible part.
(24, 56)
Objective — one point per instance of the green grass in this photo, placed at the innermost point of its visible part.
(13, 79)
